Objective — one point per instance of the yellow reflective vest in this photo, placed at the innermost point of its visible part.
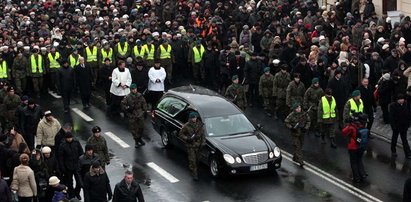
(121, 51)
(91, 56)
(165, 54)
(53, 60)
(150, 52)
(74, 61)
(36, 64)
(328, 110)
(140, 53)
(105, 54)
(198, 54)
(354, 107)
(3, 70)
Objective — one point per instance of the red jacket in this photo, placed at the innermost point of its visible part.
(351, 131)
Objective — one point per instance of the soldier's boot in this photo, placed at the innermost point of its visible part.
(194, 174)
(323, 139)
(136, 143)
(141, 141)
(275, 115)
(333, 145)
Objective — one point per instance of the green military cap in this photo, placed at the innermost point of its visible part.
(356, 93)
(133, 86)
(295, 105)
(266, 69)
(192, 115)
(315, 80)
(234, 77)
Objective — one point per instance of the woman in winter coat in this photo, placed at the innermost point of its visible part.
(24, 182)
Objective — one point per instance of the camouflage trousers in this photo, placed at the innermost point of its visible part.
(281, 108)
(328, 130)
(314, 127)
(268, 104)
(168, 66)
(94, 71)
(20, 84)
(298, 142)
(136, 127)
(193, 153)
(37, 84)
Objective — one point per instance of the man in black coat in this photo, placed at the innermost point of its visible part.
(400, 117)
(392, 61)
(97, 184)
(139, 76)
(68, 156)
(65, 83)
(367, 97)
(104, 79)
(211, 64)
(128, 190)
(339, 89)
(32, 114)
(84, 78)
(252, 72)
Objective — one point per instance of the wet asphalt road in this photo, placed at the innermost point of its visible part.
(289, 183)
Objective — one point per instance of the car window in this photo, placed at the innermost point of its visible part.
(171, 105)
(228, 125)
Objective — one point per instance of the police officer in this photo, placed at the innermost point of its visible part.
(74, 58)
(327, 116)
(53, 64)
(4, 69)
(236, 93)
(354, 104)
(106, 52)
(166, 56)
(311, 98)
(195, 58)
(122, 49)
(295, 91)
(298, 122)
(37, 70)
(266, 90)
(99, 145)
(11, 102)
(91, 57)
(280, 83)
(193, 135)
(150, 50)
(135, 107)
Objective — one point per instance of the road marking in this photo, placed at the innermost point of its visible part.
(115, 138)
(54, 95)
(334, 180)
(163, 172)
(82, 114)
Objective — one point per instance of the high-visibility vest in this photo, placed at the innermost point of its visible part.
(354, 107)
(122, 51)
(91, 57)
(3, 70)
(36, 65)
(53, 61)
(198, 55)
(139, 53)
(105, 55)
(328, 111)
(165, 54)
(150, 53)
(74, 61)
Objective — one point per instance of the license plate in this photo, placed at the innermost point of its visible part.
(259, 167)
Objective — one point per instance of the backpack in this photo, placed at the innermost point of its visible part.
(362, 137)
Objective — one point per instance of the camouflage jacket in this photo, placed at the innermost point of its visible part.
(295, 93)
(280, 83)
(298, 120)
(134, 105)
(193, 134)
(11, 102)
(99, 147)
(266, 85)
(312, 96)
(236, 93)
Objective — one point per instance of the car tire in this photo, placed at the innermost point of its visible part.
(214, 167)
(165, 139)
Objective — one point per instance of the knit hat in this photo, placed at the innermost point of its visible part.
(266, 69)
(53, 180)
(234, 77)
(315, 80)
(356, 93)
(295, 105)
(133, 86)
(24, 98)
(192, 115)
(46, 150)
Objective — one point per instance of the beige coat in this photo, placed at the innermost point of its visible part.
(46, 131)
(407, 73)
(16, 140)
(24, 182)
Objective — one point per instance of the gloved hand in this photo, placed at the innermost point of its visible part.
(108, 163)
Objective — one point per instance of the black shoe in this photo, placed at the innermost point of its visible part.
(78, 197)
(357, 180)
(141, 142)
(333, 145)
(268, 114)
(301, 163)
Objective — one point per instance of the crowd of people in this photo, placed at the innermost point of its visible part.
(282, 54)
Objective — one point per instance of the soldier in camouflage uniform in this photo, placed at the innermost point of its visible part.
(295, 91)
(236, 93)
(311, 98)
(327, 117)
(298, 122)
(193, 135)
(135, 107)
(99, 146)
(19, 74)
(11, 102)
(266, 90)
(280, 83)
(3, 92)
